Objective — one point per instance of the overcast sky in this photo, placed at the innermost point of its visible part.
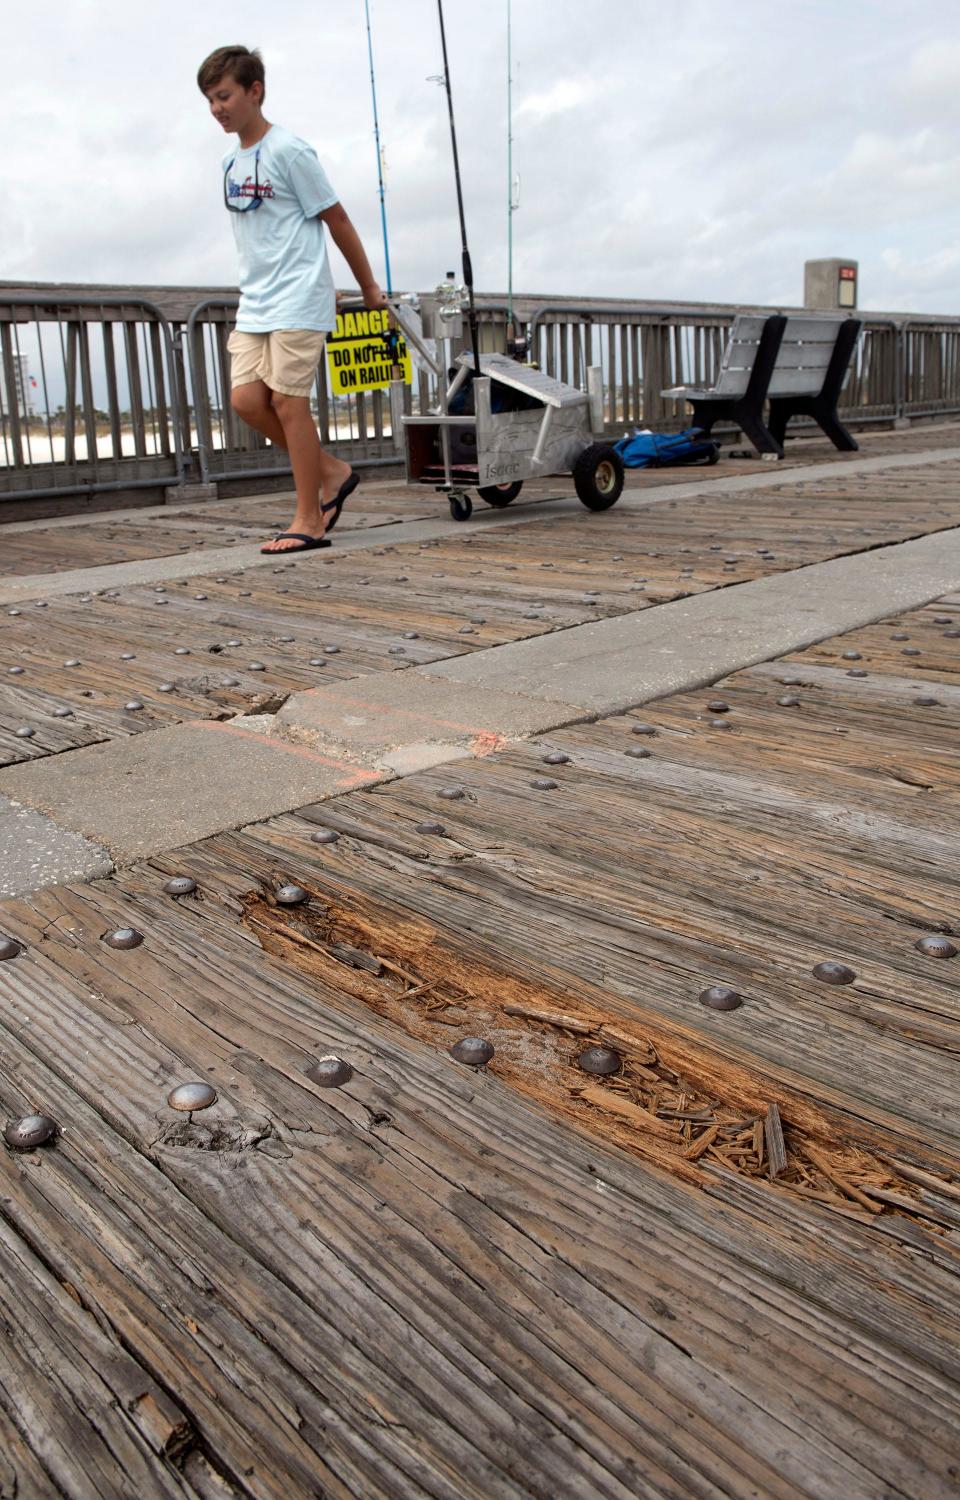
(684, 151)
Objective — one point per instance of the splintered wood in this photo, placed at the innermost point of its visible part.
(648, 1107)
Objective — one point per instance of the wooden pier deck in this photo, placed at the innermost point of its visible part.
(730, 1269)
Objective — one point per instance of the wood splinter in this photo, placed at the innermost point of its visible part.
(839, 1182)
(776, 1149)
(550, 1018)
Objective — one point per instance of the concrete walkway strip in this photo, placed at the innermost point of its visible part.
(37, 852)
(612, 665)
(247, 555)
(404, 722)
(155, 791)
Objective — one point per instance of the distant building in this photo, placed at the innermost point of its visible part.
(24, 388)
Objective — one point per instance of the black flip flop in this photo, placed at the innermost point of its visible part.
(336, 504)
(309, 542)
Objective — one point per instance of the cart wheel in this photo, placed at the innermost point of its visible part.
(499, 495)
(598, 476)
(461, 507)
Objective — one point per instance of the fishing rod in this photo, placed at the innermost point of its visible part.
(376, 133)
(467, 268)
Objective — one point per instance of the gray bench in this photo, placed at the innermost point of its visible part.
(797, 363)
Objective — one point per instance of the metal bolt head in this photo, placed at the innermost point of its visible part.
(718, 706)
(330, 1072)
(544, 784)
(181, 650)
(128, 656)
(900, 635)
(790, 681)
(180, 885)
(936, 947)
(123, 937)
(857, 672)
(719, 724)
(190, 1096)
(556, 758)
(166, 687)
(133, 706)
(325, 836)
(63, 713)
(332, 650)
(833, 973)
(318, 661)
(600, 1061)
(255, 666)
(292, 895)
(472, 1050)
(30, 1131)
(25, 732)
(638, 752)
(926, 701)
(788, 701)
(9, 948)
(719, 997)
(15, 671)
(852, 656)
(411, 635)
(452, 793)
(643, 729)
(72, 662)
(435, 828)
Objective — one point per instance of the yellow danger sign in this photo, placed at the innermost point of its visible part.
(357, 357)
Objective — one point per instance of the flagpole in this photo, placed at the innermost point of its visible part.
(376, 132)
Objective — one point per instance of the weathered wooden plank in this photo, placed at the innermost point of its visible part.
(58, 1366)
(516, 1185)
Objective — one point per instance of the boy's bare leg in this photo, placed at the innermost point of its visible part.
(316, 473)
(288, 422)
(252, 402)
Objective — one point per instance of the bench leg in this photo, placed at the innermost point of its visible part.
(835, 430)
(752, 427)
(777, 422)
(703, 418)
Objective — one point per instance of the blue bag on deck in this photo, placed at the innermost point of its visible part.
(655, 450)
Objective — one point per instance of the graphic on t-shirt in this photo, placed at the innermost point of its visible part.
(249, 189)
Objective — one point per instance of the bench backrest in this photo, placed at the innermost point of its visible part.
(802, 359)
(740, 354)
(804, 355)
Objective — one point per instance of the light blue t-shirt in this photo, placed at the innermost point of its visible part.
(285, 276)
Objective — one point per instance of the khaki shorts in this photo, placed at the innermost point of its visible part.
(286, 361)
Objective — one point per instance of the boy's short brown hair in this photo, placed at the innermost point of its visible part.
(237, 62)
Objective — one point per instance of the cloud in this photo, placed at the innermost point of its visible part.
(662, 155)
(566, 94)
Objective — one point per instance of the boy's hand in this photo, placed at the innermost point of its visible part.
(372, 296)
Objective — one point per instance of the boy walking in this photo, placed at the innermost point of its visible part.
(279, 199)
